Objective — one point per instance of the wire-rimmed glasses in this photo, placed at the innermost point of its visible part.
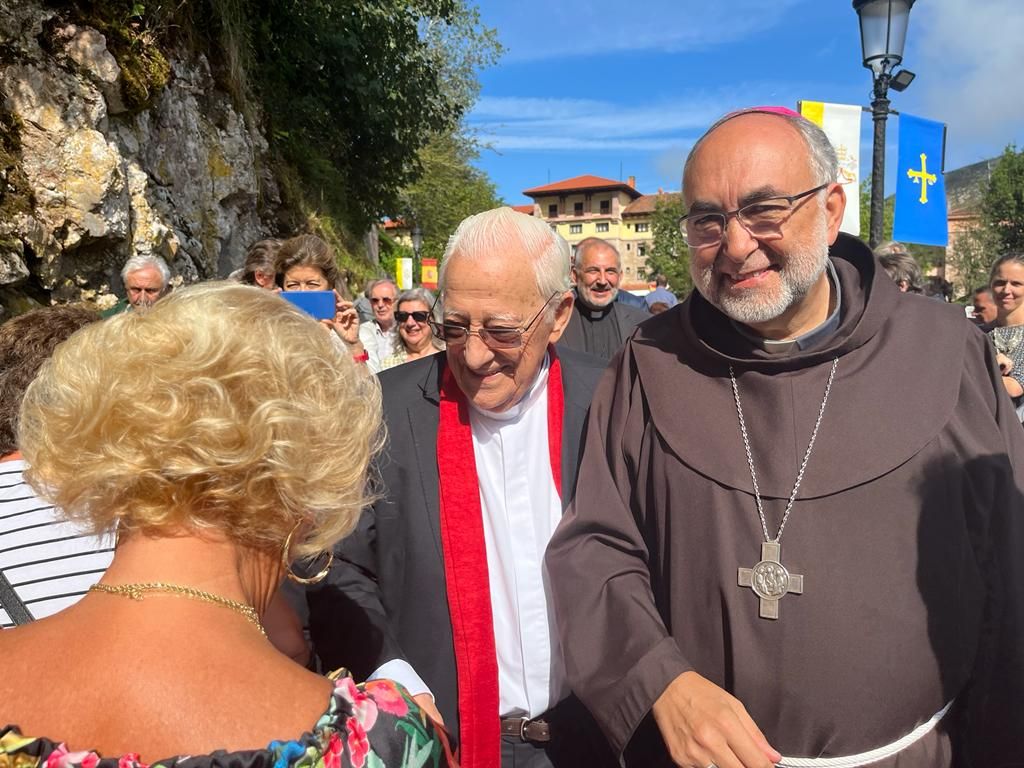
(763, 219)
(454, 334)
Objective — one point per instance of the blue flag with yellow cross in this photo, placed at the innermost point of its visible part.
(920, 211)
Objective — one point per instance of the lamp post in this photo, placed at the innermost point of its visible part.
(417, 240)
(883, 31)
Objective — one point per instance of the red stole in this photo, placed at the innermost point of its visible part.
(465, 565)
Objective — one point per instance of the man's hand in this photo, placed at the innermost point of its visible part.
(702, 725)
(426, 702)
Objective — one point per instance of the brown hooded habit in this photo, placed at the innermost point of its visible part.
(908, 530)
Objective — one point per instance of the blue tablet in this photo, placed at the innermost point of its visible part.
(319, 304)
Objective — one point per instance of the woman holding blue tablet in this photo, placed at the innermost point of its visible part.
(306, 263)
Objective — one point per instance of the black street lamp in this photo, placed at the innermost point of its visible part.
(883, 31)
(417, 240)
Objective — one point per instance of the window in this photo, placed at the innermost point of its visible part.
(602, 226)
(627, 246)
(575, 229)
(641, 251)
(643, 226)
(606, 207)
(577, 209)
(553, 210)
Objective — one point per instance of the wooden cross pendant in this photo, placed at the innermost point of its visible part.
(770, 580)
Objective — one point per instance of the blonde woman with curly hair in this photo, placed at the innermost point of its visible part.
(226, 440)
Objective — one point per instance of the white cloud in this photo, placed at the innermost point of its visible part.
(534, 30)
(969, 58)
(523, 123)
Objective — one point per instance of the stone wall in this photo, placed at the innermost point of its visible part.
(85, 183)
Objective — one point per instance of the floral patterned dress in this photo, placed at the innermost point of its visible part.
(374, 724)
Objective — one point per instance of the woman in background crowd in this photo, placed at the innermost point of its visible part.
(900, 266)
(46, 562)
(1007, 283)
(415, 338)
(258, 269)
(307, 263)
(226, 442)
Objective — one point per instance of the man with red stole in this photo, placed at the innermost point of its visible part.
(443, 587)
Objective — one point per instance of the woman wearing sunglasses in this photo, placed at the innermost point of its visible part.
(415, 338)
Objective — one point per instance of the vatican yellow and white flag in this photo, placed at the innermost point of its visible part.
(841, 123)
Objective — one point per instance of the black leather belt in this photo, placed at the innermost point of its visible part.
(537, 731)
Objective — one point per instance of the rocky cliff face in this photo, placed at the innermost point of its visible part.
(86, 182)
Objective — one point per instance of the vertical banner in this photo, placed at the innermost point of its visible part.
(403, 273)
(920, 214)
(841, 123)
(428, 273)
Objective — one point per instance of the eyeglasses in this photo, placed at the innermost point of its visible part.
(762, 219)
(387, 301)
(495, 338)
(420, 316)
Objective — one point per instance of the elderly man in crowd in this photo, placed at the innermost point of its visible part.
(600, 325)
(442, 587)
(380, 335)
(797, 392)
(146, 280)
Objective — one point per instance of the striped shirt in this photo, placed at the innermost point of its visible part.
(50, 562)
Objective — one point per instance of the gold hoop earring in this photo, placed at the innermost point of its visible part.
(286, 562)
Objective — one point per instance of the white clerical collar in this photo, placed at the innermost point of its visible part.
(536, 391)
(813, 336)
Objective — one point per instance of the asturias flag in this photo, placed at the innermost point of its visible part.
(920, 215)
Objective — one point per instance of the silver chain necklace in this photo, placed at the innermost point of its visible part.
(769, 579)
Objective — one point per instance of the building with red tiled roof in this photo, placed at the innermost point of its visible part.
(592, 206)
(583, 184)
(527, 209)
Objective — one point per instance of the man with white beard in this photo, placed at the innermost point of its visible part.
(796, 392)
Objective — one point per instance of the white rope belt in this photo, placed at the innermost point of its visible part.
(866, 758)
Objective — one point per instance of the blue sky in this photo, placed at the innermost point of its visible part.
(607, 87)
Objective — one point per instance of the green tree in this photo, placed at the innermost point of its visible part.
(354, 90)
(971, 257)
(1003, 204)
(669, 255)
(448, 190)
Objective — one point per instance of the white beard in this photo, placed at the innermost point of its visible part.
(800, 271)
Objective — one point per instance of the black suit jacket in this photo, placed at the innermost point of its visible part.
(385, 596)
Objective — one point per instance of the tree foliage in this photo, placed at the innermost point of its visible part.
(971, 257)
(669, 255)
(353, 90)
(448, 190)
(1003, 204)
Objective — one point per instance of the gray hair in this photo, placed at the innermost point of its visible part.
(823, 159)
(902, 268)
(594, 242)
(416, 294)
(135, 263)
(379, 281)
(484, 233)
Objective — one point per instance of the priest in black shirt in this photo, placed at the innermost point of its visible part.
(600, 325)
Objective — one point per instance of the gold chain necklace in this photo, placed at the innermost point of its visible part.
(137, 592)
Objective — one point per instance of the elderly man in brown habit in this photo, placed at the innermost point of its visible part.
(797, 393)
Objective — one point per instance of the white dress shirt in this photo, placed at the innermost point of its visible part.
(521, 509)
(377, 343)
